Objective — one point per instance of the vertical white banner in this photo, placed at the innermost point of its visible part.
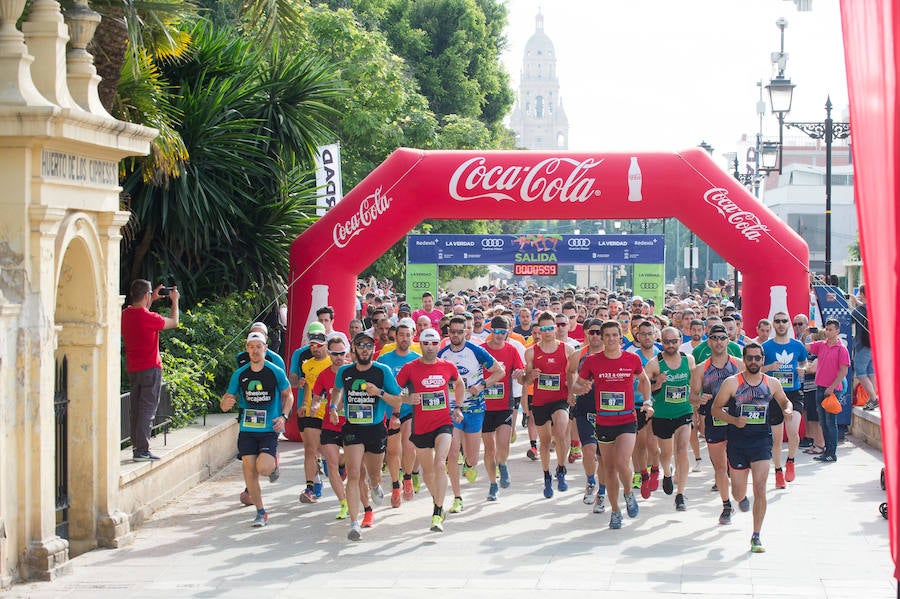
(328, 177)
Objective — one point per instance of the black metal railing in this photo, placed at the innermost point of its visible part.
(161, 423)
(61, 440)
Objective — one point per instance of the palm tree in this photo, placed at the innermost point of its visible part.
(251, 117)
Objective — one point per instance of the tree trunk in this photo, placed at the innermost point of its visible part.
(108, 47)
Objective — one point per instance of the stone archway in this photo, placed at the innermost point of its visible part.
(79, 321)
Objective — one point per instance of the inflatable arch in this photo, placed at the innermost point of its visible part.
(413, 185)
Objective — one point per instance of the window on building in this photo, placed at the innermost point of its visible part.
(539, 107)
(811, 227)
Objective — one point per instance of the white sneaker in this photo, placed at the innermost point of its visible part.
(600, 504)
(355, 533)
(589, 492)
(697, 467)
(377, 495)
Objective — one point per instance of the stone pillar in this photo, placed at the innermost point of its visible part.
(9, 316)
(79, 343)
(15, 63)
(82, 75)
(113, 527)
(46, 36)
(46, 554)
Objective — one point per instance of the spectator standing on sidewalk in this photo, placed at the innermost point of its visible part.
(140, 332)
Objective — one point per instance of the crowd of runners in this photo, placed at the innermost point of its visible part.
(426, 397)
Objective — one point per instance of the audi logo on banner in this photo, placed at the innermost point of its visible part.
(579, 242)
(492, 243)
(649, 286)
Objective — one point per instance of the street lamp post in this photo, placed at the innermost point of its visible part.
(781, 92)
(829, 131)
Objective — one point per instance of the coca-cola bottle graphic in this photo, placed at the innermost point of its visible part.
(634, 181)
(318, 299)
(778, 303)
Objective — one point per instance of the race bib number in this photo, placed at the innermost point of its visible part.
(755, 414)
(548, 382)
(785, 378)
(434, 400)
(254, 419)
(496, 391)
(360, 414)
(718, 422)
(612, 401)
(676, 394)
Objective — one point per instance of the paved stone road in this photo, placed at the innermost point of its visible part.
(824, 538)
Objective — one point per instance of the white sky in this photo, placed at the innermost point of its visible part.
(665, 74)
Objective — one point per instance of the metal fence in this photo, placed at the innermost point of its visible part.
(161, 423)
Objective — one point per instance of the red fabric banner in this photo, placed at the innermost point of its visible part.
(871, 33)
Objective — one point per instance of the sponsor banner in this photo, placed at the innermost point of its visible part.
(650, 282)
(328, 177)
(535, 249)
(419, 279)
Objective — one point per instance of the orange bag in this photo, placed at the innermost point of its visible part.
(861, 396)
(832, 405)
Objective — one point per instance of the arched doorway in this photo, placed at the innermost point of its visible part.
(79, 392)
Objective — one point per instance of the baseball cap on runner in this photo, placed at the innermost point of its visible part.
(429, 335)
(260, 325)
(256, 337)
(315, 327)
(718, 328)
(407, 322)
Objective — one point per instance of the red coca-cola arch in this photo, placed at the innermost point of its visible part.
(413, 185)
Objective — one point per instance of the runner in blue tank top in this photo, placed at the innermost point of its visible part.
(743, 402)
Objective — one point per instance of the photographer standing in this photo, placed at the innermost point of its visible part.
(140, 332)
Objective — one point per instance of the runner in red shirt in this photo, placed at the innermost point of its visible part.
(498, 402)
(427, 379)
(613, 372)
(332, 439)
(545, 366)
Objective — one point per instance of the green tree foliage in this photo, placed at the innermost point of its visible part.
(382, 109)
(454, 49)
(252, 116)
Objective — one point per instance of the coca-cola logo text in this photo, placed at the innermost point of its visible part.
(746, 223)
(563, 179)
(369, 210)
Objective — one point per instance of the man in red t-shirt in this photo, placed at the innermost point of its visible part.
(434, 410)
(140, 332)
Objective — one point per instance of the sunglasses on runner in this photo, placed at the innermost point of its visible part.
(799, 324)
(781, 320)
(500, 331)
(718, 337)
(365, 345)
(426, 343)
(337, 353)
(754, 358)
(671, 341)
(595, 332)
(548, 327)
(562, 324)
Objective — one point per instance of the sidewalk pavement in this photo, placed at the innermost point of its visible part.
(824, 537)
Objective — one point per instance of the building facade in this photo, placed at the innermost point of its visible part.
(797, 196)
(538, 118)
(59, 300)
